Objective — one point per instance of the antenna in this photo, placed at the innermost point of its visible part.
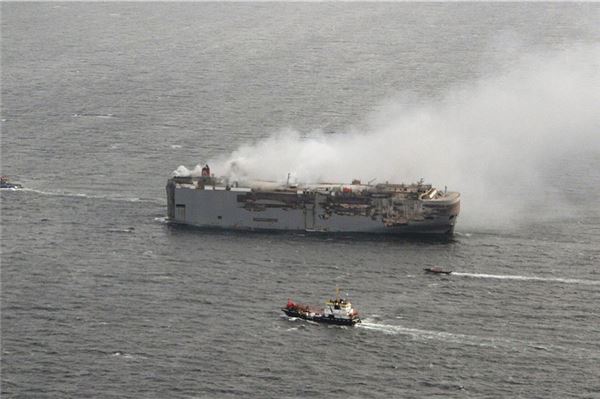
(288, 180)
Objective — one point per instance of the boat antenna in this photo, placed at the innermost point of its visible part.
(337, 294)
(288, 180)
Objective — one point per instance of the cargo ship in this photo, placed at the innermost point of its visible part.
(209, 201)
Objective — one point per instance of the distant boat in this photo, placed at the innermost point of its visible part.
(437, 270)
(6, 184)
(336, 311)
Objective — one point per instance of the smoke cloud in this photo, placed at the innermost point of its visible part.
(489, 140)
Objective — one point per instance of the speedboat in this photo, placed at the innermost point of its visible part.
(336, 311)
(6, 184)
(437, 270)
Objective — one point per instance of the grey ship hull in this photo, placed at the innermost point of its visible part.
(378, 212)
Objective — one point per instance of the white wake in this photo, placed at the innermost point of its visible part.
(529, 278)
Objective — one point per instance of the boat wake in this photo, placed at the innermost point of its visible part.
(426, 334)
(88, 115)
(459, 234)
(465, 339)
(94, 196)
(529, 278)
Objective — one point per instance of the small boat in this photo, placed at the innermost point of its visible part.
(336, 311)
(437, 270)
(6, 184)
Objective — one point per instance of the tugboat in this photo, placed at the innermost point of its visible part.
(337, 311)
(6, 184)
(437, 270)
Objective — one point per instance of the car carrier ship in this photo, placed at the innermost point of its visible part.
(209, 201)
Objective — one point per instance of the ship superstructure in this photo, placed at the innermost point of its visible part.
(209, 201)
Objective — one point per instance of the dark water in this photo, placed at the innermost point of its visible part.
(102, 298)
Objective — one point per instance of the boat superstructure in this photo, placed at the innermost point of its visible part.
(387, 208)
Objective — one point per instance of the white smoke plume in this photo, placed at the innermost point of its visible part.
(487, 140)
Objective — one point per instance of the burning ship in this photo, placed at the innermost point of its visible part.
(209, 201)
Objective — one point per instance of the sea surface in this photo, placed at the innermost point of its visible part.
(101, 297)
